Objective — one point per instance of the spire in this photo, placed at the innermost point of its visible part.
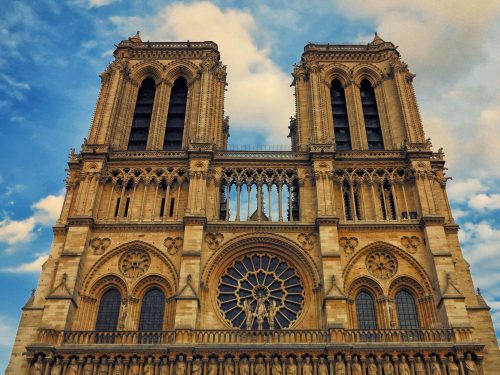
(481, 301)
(136, 38)
(377, 40)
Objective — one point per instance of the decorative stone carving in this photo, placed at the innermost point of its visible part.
(307, 240)
(307, 368)
(244, 366)
(356, 368)
(381, 264)
(214, 240)
(291, 367)
(260, 291)
(197, 367)
(411, 243)
(276, 368)
(348, 244)
(99, 245)
(470, 365)
(322, 366)
(37, 367)
(340, 368)
(404, 368)
(173, 245)
(134, 263)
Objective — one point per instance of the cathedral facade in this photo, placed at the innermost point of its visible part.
(175, 255)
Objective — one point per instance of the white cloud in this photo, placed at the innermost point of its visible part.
(462, 189)
(485, 202)
(46, 212)
(31, 267)
(259, 96)
(7, 331)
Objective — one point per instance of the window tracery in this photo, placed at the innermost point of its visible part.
(134, 263)
(365, 311)
(260, 291)
(406, 310)
(381, 264)
(152, 310)
(109, 310)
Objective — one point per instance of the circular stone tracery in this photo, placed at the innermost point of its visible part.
(258, 280)
(381, 264)
(134, 263)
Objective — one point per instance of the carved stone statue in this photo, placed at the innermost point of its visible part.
(452, 366)
(37, 367)
(340, 368)
(307, 368)
(276, 368)
(118, 369)
(212, 366)
(322, 366)
(470, 365)
(180, 366)
(403, 367)
(72, 367)
(149, 367)
(244, 366)
(372, 367)
(134, 367)
(271, 314)
(419, 366)
(164, 367)
(123, 317)
(388, 366)
(356, 368)
(260, 312)
(103, 367)
(248, 314)
(260, 368)
(228, 366)
(197, 367)
(291, 367)
(56, 367)
(435, 368)
(88, 368)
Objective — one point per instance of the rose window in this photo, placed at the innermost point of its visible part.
(381, 264)
(134, 263)
(260, 291)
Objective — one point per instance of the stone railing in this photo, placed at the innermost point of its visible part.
(299, 337)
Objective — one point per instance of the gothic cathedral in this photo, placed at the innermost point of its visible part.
(175, 255)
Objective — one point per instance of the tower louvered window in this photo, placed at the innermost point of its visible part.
(340, 119)
(370, 114)
(407, 310)
(365, 311)
(142, 115)
(176, 116)
(109, 311)
(152, 310)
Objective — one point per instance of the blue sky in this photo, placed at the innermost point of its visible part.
(53, 50)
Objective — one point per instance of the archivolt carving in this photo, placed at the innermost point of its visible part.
(262, 240)
(411, 243)
(151, 280)
(178, 68)
(408, 282)
(106, 281)
(172, 274)
(367, 71)
(173, 245)
(384, 246)
(100, 245)
(134, 263)
(364, 282)
(146, 69)
(337, 71)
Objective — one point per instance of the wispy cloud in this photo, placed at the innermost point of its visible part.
(31, 267)
(101, 3)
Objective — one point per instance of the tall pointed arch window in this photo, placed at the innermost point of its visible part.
(109, 311)
(340, 119)
(152, 310)
(365, 311)
(139, 133)
(176, 116)
(407, 310)
(370, 114)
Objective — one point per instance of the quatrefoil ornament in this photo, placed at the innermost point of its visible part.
(214, 240)
(348, 244)
(307, 240)
(173, 245)
(411, 243)
(100, 245)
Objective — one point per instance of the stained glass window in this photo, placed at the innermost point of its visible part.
(109, 311)
(365, 309)
(152, 309)
(407, 310)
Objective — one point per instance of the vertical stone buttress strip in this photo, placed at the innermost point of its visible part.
(316, 104)
(355, 114)
(381, 101)
(99, 109)
(159, 124)
(116, 107)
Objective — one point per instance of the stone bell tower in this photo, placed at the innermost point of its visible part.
(175, 255)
